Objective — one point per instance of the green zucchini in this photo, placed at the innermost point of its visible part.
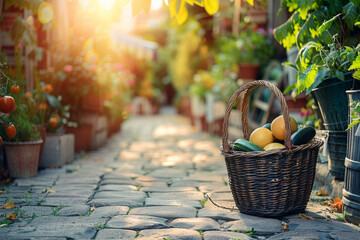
(268, 126)
(246, 146)
(303, 135)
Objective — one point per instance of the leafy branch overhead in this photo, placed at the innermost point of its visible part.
(309, 15)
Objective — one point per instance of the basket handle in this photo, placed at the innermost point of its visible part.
(247, 88)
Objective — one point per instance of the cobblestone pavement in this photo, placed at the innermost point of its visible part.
(149, 183)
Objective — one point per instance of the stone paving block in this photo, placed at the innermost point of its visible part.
(149, 179)
(137, 222)
(165, 211)
(120, 194)
(117, 188)
(37, 210)
(204, 177)
(297, 235)
(72, 187)
(168, 173)
(218, 213)
(129, 155)
(74, 210)
(71, 179)
(113, 181)
(171, 233)
(320, 225)
(260, 225)
(222, 196)
(214, 188)
(63, 201)
(168, 202)
(179, 195)
(227, 204)
(185, 184)
(131, 202)
(58, 226)
(168, 189)
(115, 234)
(110, 211)
(34, 182)
(120, 175)
(342, 235)
(152, 184)
(199, 224)
(224, 235)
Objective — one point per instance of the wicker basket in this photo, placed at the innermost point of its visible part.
(269, 183)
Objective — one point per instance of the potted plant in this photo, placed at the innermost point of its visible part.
(21, 138)
(250, 49)
(72, 79)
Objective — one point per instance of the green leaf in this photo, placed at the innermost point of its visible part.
(356, 75)
(304, 7)
(339, 75)
(321, 74)
(289, 88)
(285, 34)
(355, 64)
(353, 124)
(351, 12)
(327, 24)
(357, 108)
(355, 2)
(289, 64)
(53, 101)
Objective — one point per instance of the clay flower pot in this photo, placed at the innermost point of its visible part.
(22, 158)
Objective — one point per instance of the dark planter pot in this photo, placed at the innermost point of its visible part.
(248, 71)
(337, 152)
(332, 100)
(83, 134)
(22, 158)
(351, 191)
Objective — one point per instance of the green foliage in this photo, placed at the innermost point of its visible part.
(250, 46)
(25, 129)
(316, 62)
(307, 22)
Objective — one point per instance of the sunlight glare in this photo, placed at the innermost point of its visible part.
(107, 4)
(156, 4)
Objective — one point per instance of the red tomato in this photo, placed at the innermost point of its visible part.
(7, 104)
(15, 89)
(10, 131)
(0, 140)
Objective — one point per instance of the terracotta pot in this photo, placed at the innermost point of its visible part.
(22, 158)
(248, 71)
(92, 102)
(295, 106)
(82, 135)
(42, 130)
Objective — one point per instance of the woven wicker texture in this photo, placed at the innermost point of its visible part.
(269, 183)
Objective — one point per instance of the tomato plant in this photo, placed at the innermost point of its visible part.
(10, 131)
(7, 104)
(15, 89)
